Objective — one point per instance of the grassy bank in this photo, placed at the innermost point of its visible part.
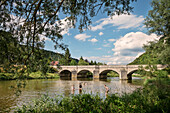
(153, 97)
(33, 75)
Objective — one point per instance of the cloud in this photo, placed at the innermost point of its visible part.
(65, 25)
(126, 49)
(111, 40)
(106, 45)
(131, 44)
(98, 48)
(93, 40)
(82, 37)
(121, 21)
(112, 60)
(101, 33)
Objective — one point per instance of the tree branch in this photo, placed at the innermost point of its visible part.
(53, 14)
(34, 17)
(3, 2)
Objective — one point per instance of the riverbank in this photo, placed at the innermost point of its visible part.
(33, 75)
(153, 97)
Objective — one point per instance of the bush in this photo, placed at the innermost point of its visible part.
(161, 74)
(52, 70)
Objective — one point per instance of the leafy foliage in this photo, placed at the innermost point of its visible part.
(146, 58)
(73, 62)
(112, 74)
(158, 21)
(67, 57)
(82, 61)
(158, 18)
(159, 49)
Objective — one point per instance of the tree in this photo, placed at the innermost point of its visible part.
(82, 61)
(73, 62)
(8, 53)
(91, 63)
(62, 61)
(33, 21)
(67, 57)
(95, 63)
(158, 18)
(158, 21)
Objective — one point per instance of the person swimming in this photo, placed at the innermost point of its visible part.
(73, 88)
(106, 90)
(80, 88)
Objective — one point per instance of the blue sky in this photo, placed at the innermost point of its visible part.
(113, 41)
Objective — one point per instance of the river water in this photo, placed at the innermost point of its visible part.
(35, 88)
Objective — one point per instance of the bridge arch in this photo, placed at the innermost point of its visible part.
(65, 73)
(129, 74)
(84, 73)
(104, 73)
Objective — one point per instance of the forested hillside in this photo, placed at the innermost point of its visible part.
(55, 56)
(146, 58)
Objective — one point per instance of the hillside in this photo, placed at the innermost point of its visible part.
(55, 56)
(146, 58)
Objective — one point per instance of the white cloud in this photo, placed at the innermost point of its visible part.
(112, 60)
(98, 48)
(106, 45)
(121, 21)
(66, 25)
(93, 40)
(131, 44)
(111, 40)
(127, 48)
(101, 33)
(82, 37)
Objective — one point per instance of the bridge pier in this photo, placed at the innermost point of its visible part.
(95, 74)
(74, 74)
(123, 75)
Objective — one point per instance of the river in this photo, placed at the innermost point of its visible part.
(35, 88)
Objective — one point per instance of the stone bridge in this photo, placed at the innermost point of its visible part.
(100, 71)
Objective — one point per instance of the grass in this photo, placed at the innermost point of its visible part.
(136, 75)
(38, 75)
(33, 75)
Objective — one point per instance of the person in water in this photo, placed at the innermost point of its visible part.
(80, 88)
(73, 88)
(106, 90)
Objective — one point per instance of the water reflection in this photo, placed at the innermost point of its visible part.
(65, 78)
(63, 86)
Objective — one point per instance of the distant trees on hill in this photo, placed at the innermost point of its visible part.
(67, 60)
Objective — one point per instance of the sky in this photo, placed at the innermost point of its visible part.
(115, 41)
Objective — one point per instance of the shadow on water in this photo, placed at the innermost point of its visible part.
(85, 79)
(65, 78)
(104, 79)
